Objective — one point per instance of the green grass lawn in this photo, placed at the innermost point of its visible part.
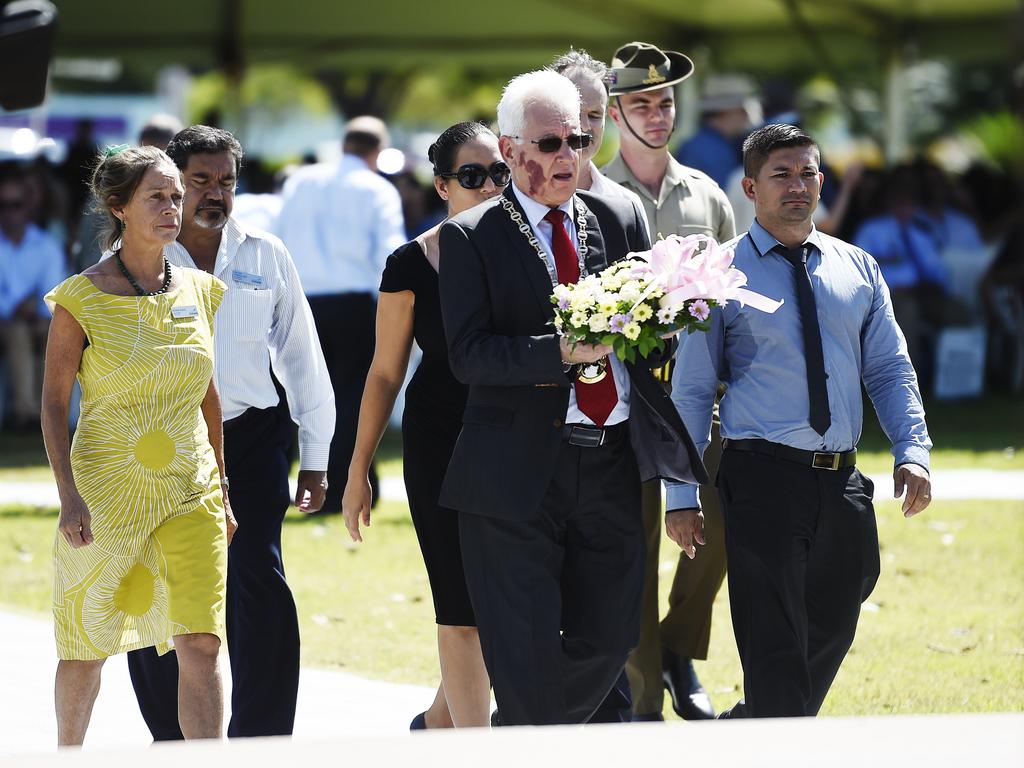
(944, 631)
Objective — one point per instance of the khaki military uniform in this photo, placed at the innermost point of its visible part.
(689, 203)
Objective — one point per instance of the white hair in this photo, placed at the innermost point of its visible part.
(540, 87)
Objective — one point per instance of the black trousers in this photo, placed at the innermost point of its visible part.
(557, 597)
(802, 551)
(262, 623)
(346, 325)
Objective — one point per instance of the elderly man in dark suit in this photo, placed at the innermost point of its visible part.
(547, 470)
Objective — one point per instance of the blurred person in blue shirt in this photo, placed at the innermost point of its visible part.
(800, 534)
(31, 263)
(903, 242)
(942, 211)
(340, 221)
(729, 109)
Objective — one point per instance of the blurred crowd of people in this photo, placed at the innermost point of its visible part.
(950, 247)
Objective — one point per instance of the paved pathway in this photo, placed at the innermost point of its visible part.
(331, 704)
(946, 484)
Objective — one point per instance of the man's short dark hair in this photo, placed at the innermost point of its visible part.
(581, 61)
(203, 140)
(766, 140)
(361, 144)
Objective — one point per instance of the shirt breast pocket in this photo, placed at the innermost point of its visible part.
(250, 314)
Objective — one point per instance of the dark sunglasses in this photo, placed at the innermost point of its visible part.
(575, 141)
(474, 175)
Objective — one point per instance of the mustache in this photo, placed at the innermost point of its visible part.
(211, 207)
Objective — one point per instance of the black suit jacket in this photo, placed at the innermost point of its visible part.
(495, 300)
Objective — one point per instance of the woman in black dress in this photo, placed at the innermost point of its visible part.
(467, 170)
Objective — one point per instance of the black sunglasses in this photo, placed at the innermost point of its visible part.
(474, 175)
(550, 144)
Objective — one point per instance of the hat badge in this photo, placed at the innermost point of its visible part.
(653, 76)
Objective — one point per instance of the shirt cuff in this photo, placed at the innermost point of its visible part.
(314, 456)
(681, 496)
(912, 454)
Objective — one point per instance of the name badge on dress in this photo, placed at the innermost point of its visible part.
(247, 278)
(179, 313)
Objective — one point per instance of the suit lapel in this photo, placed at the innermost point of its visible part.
(536, 274)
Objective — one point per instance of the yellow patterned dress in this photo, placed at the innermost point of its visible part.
(143, 463)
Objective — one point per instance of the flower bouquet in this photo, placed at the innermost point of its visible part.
(632, 305)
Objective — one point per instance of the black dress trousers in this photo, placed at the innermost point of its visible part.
(346, 325)
(802, 548)
(262, 623)
(557, 597)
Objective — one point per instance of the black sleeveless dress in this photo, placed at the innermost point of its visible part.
(434, 402)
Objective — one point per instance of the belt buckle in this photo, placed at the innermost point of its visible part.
(828, 461)
(585, 436)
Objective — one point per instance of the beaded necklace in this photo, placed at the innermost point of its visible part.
(135, 284)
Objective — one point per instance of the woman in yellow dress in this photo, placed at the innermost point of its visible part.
(141, 548)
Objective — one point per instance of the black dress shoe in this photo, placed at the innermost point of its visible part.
(689, 699)
(419, 723)
(650, 717)
(495, 720)
(737, 711)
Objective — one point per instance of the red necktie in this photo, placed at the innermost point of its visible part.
(598, 400)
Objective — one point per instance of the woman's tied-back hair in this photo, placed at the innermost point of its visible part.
(443, 151)
(114, 181)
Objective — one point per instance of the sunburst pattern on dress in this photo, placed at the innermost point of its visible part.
(141, 457)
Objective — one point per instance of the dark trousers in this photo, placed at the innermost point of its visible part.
(262, 624)
(686, 628)
(557, 597)
(802, 548)
(345, 323)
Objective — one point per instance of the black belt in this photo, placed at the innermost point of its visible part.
(815, 459)
(589, 436)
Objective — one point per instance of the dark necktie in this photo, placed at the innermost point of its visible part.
(820, 418)
(596, 400)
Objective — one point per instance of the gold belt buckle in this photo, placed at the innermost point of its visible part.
(828, 461)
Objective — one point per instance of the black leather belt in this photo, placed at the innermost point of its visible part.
(589, 436)
(815, 459)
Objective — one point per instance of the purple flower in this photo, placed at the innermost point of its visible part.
(563, 303)
(700, 310)
(618, 322)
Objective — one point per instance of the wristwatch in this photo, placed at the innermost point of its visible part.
(224, 483)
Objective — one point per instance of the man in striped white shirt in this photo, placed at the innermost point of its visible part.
(264, 329)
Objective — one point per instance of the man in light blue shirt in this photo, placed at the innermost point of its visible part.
(340, 221)
(31, 263)
(800, 530)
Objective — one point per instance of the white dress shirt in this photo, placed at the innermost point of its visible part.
(263, 322)
(340, 222)
(535, 213)
(29, 268)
